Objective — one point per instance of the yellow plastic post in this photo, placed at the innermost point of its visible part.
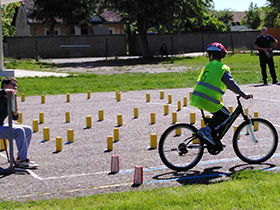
(68, 97)
(35, 126)
(88, 121)
(185, 101)
(67, 117)
(116, 134)
(41, 117)
(161, 94)
(19, 120)
(148, 97)
(46, 134)
(166, 109)
(169, 99)
(246, 111)
(256, 125)
(234, 129)
(179, 106)
(100, 114)
(22, 97)
(43, 99)
(70, 135)
(117, 92)
(153, 118)
(109, 143)
(195, 141)
(58, 142)
(88, 94)
(119, 119)
(230, 108)
(135, 112)
(118, 96)
(202, 123)
(2, 144)
(192, 117)
(174, 117)
(190, 95)
(153, 141)
(178, 132)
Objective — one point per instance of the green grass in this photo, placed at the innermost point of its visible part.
(245, 190)
(244, 68)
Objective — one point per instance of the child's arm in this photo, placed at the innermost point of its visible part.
(233, 86)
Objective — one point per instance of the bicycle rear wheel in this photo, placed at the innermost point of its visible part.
(256, 147)
(179, 148)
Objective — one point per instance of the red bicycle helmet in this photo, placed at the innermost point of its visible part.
(217, 47)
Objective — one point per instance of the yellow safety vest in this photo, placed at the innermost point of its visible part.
(209, 89)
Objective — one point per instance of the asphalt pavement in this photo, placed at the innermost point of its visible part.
(83, 167)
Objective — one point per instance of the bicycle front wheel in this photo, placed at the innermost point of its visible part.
(257, 145)
(179, 148)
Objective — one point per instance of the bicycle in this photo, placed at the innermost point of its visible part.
(254, 141)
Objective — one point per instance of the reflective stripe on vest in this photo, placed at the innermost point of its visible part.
(209, 89)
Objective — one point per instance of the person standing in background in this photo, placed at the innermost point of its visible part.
(264, 44)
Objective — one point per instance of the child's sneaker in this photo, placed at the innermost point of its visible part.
(206, 134)
(25, 164)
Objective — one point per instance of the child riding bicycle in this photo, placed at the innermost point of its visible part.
(210, 87)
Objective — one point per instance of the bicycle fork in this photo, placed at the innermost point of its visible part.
(251, 131)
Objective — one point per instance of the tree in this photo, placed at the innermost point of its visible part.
(52, 12)
(8, 12)
(252, 17)
(162, 15)
(226, 16)
(271, 18)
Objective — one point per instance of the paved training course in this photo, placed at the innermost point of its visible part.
(83, 167)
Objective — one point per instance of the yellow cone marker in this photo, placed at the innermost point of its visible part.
(118, 96)
(19, 120)
(166, 109)
(46, 134)
(119, 119)
(246, 111)
(35, 126)
(153, 141)
(58, 142)
(178, 132)
(230, 108)
(41, 117)
(202, 123)
(192, 117)
(148, 97)
(116, 134)
(67, 117)
(68, 97)
(190, 95)
(169, 99)
(70, 135)
(22, 97)
(161, 94)
(174, 117)
(43, 99)
(256, 125)
(179, 106)
(185, 101)
(100, 115)
(2, 144)
(88, 121)
(109, 143)
(88, 94)
(135, 112)
(234, 129)
(153, 118)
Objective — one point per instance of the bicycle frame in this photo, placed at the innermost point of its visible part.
(234, 116)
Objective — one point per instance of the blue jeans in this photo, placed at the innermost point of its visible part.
(22, 134)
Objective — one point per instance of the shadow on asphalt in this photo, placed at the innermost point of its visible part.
(209, 175)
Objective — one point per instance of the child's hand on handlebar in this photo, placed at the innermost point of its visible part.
(248, 96)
